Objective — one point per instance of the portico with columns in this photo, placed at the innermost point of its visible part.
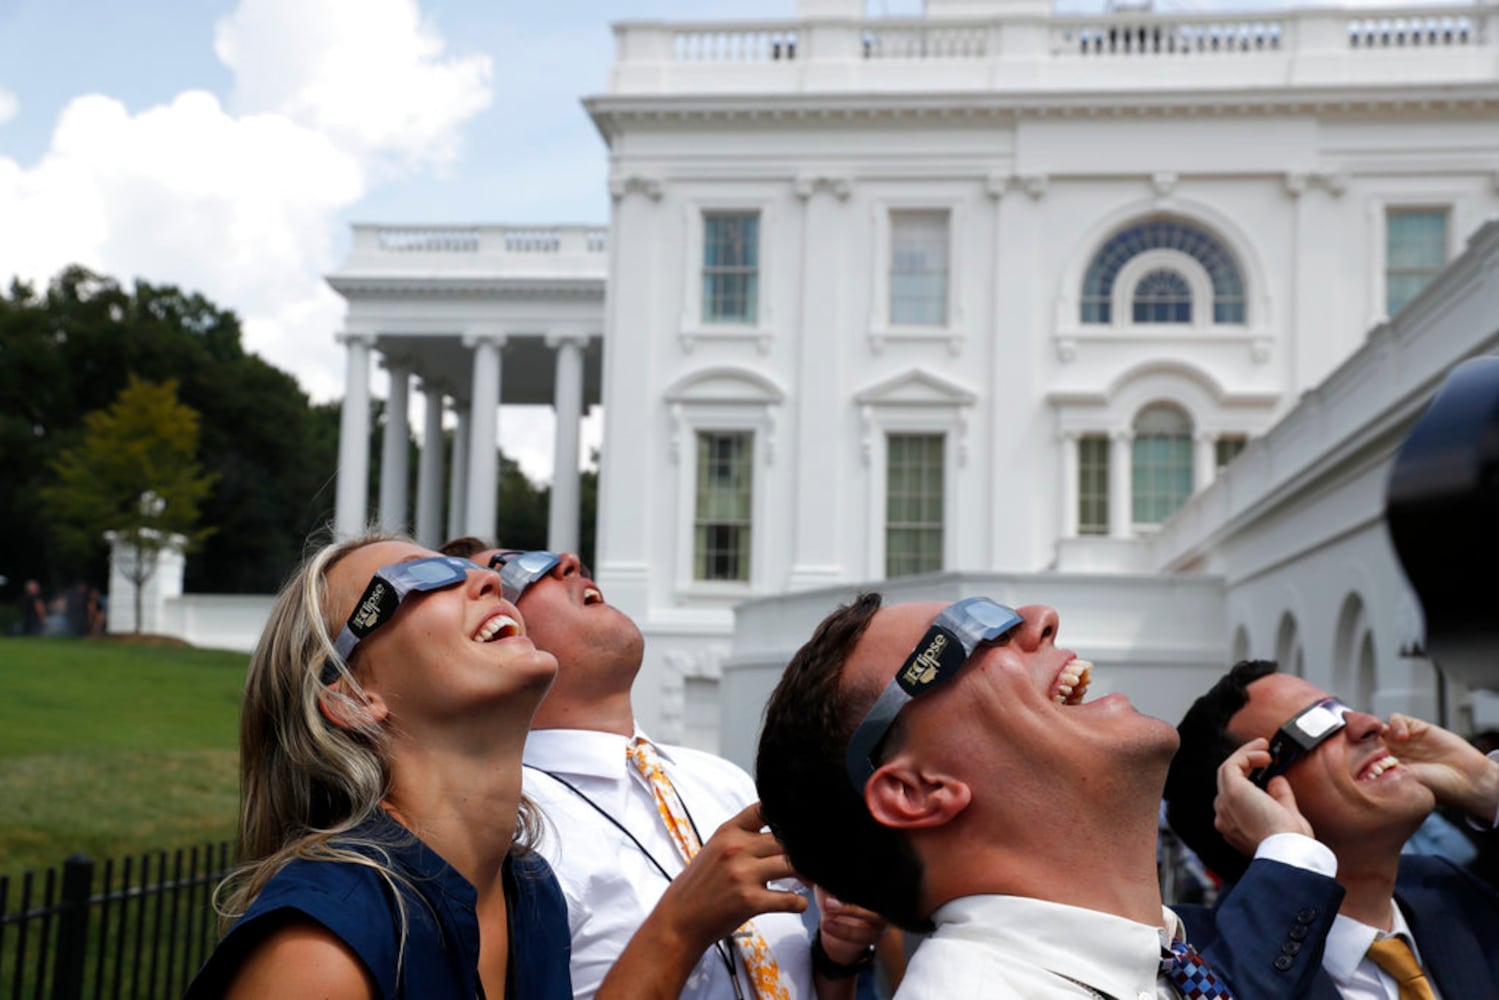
(479, 317)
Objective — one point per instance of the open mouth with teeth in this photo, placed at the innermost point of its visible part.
(1072, 683)
(1375, 768)
(498, 626)
(591, 595)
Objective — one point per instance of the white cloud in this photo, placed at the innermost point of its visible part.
(10, 106)
(244, 204)
(367, 72)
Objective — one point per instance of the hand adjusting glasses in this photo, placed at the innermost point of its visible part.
(1307, 730)
(955, 635)
(388, 588)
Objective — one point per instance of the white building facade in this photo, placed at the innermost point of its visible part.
(992, 290)
(986, 294)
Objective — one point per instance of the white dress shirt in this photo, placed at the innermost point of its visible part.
(1346, 958)
(609, 883)
(1017, 948)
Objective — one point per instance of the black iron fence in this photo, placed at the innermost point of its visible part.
(137, 929)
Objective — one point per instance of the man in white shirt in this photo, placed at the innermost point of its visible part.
(939, 766)
(1365, 786)
(610, 845)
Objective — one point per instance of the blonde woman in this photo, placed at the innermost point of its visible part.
(385, 713)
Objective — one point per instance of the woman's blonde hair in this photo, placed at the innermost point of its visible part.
(306, 783)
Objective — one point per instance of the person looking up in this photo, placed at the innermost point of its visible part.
(384, 717)
(939, 765)
(1364, 786)
(655, 836)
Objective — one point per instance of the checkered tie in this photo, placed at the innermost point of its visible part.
(764, 971)
(1194, 979)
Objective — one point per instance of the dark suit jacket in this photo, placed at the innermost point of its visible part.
(1266, 935)
(1452, 915)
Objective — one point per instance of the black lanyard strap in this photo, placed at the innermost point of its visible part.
(724, 952)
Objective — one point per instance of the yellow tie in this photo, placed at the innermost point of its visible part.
(1394, 956)
(764, 972)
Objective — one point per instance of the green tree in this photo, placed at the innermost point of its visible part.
(135, 474)
(69, 349)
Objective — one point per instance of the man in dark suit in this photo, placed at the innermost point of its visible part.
(1364, 786)
(941, 766)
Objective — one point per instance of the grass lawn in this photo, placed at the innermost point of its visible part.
(112, 748)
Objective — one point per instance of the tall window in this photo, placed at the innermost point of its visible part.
(731, 267)
(1227, 448)
(918, 268)
(721, 536)
(1415, 250)
(1163, 233)
(913, 504)
(1162, 463)
(1093, 485)
(1162, 296)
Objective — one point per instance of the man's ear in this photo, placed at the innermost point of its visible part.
(348, 711)
(902, 797)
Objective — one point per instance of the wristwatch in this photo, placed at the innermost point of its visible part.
(822, 965)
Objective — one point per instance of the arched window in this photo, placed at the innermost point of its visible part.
(1161, 466)
(1162, 296)
(1162, 234)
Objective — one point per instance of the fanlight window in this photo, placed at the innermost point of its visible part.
(1162, 296)
(1162, 234)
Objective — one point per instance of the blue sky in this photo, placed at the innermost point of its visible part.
(226, 145)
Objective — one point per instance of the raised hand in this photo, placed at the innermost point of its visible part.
(1246, 814)
(1455, 771)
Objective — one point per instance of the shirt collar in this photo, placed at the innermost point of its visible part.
(1123, 957)
(585, 752)
(1348, 942)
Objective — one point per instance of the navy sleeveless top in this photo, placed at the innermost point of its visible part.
(441, 955)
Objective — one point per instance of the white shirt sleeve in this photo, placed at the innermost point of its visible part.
(1299, 851)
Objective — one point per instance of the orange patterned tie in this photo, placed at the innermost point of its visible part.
(764, 973)
(1395, 957)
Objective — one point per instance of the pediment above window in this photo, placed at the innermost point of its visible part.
(916, 388)
(726, 385)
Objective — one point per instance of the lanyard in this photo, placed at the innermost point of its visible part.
(724, 952)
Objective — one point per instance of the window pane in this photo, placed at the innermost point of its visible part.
(1226, 449)
(1093, 485)
(918, 268)
(914, 481)
(731, 263)
(1162, 296)
(1161, 466)
(1415, 250)
(721, 536)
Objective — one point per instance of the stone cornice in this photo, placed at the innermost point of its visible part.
(433, 286)
(816, 109)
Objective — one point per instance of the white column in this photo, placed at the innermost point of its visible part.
(1121, 501)
(1204, 460)
(394, 454)
(458, 473)
(483, 435)
(567, 400)
(349, 511)
(1069, 490)
(429, 470)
